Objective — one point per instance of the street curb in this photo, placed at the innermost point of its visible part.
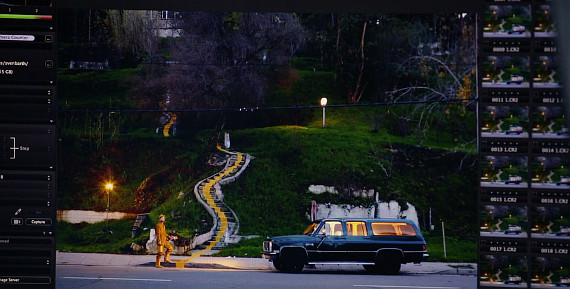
(190, 266)
(238, 263)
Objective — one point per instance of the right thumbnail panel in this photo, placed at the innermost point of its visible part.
(524, 192)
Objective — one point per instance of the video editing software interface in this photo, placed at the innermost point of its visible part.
(524, 170)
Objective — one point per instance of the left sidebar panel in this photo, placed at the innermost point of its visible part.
(28, 154)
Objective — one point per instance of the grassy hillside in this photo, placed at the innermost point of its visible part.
(358, 149)
(290, 159)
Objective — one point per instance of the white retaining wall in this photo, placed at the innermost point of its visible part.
(393, 210)
(80, 216)
(341, 211)
(380, 210)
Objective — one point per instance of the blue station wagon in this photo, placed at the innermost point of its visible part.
(380, 245)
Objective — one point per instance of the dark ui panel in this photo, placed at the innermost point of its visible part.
(28, 227)
(27, 67)
(27, 105)
(524, 148)
(28, 119)
(27, 146)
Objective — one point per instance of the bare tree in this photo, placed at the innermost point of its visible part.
(221, 58)
(443, 69)
(354, 96)
(131, 32)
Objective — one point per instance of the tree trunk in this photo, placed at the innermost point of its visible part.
(354, 97)
(338, 57)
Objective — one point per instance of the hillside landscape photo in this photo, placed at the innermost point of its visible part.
(217, 121)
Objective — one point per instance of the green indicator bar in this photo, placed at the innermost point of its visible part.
(26, 17)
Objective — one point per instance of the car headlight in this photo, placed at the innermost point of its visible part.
(268, 246)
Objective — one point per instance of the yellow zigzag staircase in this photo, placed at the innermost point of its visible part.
(207, 192)
(166, 128)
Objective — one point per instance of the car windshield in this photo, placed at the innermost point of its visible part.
(310, 229)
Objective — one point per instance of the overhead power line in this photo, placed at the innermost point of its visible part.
(257, 108)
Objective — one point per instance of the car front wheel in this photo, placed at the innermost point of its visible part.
(292, 261)
(277, 265)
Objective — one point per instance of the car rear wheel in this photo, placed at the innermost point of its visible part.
(388, 263)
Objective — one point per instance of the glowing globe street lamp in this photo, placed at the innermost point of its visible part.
(108, 189)
(323, 104)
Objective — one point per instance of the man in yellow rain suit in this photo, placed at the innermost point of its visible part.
(162, 242)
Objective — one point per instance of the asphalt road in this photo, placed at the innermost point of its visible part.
(125, 277)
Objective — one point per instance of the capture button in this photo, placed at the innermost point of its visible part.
(38, 222)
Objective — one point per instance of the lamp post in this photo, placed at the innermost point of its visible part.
(323, 104)
(108, 189)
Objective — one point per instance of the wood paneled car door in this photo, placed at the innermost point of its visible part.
(358, 245)
(333, 237)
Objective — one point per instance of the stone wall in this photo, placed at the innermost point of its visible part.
(80, 216)
(342, 211)
(319, 189)
(380, 210)
(393, 210)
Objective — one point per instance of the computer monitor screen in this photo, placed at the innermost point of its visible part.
(239, 121)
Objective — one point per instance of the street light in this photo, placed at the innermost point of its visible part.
(323, 104)
(108, 189)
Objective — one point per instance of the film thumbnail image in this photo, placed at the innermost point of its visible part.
(551, 222)
(504, 171)
(500, 270)
(544, 24)
(505, 121)
(550, 172)
(548, 271)
(504, 221)
(549, 122)
(507, 21)
(505, 72)
(546, 72)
